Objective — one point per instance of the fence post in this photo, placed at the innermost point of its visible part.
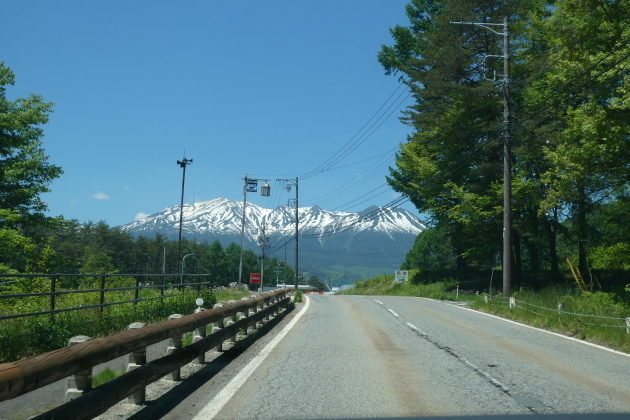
(136, 294)
(485, 298)
(136, 359)
(628, 325)
(80, 382)
(512, 302)
(102, 300)
(216, 326)
(53, 289)
(173, 345)
(560, 306)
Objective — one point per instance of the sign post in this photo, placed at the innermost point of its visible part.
(401, 276)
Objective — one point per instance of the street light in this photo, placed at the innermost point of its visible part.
(251, 185)
(183, 163)
(294, 183)
(182, 272)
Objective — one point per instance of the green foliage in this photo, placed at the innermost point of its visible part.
(569, 105)
(105, 375)
(585, 325)
(298, 296)
(24, 169)
(316, 284)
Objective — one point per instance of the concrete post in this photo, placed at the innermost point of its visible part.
(199, 334)
(136, 359)
(231, 320)
(628, 325)
(560, 306)
(216, 326)
(512, 302)
(173, 345)
(80, 382)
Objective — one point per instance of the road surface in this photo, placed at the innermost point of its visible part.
(363, 356)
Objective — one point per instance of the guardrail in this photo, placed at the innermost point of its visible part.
(26, 375)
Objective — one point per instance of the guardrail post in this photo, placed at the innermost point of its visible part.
(136, 359)
(80, 382)
(173, 345)
(216, 326)
(512, 302)
(231, 320)
(199, 334)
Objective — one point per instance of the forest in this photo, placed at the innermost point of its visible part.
(568, 123)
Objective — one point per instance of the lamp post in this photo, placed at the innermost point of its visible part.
(251, 185)
(183, 163)
(182, 272)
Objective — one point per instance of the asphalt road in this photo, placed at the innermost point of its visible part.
(359, 356)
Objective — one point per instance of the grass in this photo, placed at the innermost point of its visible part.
(106, 375)
(607, 332)
(29, 336)
(589, 307)
(231, 294)
(385, 285)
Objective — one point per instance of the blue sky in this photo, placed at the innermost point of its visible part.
(274, 89)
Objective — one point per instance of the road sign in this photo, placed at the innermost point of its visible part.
(254, 278)
(401, 275)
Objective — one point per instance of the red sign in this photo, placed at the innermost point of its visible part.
(254, 278)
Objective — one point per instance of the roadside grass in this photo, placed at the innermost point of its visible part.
(595, 317)
(106, 375)
(230, 294)
(385, 285)
(33, 335)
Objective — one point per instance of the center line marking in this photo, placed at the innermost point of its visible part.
(393, 313)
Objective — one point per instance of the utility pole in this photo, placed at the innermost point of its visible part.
(263, 241)
(183, 163)
(291, 183)
(251, 185)
(507, 150)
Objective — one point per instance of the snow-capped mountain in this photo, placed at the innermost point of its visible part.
(328, 240)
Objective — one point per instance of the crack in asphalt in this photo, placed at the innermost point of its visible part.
(519, 399)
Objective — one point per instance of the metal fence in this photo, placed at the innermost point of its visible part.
(170, 283)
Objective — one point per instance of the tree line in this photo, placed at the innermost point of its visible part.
(569, 97)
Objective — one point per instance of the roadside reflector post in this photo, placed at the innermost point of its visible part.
(136, 359)
(80, 382)
(174, 344)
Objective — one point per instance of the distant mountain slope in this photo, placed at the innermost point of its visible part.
(375, 239)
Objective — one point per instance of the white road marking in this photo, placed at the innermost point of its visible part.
(223, 397)
(538, 329)
(393, 313)
(379, 302)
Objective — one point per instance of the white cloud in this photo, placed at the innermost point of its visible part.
(101, 196)
(140, 215)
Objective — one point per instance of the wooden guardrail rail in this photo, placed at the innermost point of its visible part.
(26, 375)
